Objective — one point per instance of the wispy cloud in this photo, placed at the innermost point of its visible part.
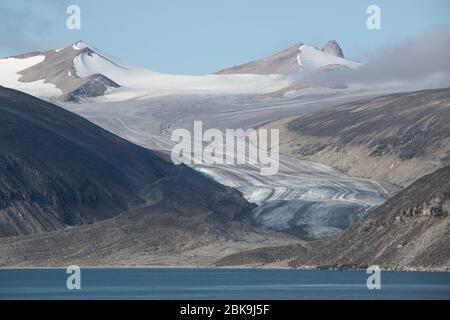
(420, 62)
(426, 55)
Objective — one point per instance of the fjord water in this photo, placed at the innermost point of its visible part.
(173, 283)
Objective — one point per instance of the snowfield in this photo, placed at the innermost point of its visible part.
(9, 77)
(139, 83)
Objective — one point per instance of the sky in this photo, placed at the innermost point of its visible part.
(203, 36)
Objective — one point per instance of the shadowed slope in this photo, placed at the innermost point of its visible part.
(58, 170)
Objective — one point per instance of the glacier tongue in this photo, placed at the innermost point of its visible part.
(307, 199)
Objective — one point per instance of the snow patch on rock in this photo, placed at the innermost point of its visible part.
(9, 77)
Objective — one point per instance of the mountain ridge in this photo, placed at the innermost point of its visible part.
(294, 60)
(395, 138)
(82, 73)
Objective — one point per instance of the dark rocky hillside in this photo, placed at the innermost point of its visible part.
(58, 170)
(190, 222)
(396, 138)
(410, 231)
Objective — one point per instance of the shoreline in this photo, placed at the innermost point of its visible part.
(301, 268)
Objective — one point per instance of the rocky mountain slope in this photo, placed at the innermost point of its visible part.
(59, 170)
(281, 62)
(189, 225)
(410, 231)
(396, 138)
(58, 68)
(333, 48)
(293, 60)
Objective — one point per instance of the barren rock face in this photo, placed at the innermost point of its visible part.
(408, 232)
(333, 48)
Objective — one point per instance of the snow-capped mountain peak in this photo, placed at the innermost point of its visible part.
(311, 59)
(294, 60)
(333, 48)
(79, 45)
(81, 71)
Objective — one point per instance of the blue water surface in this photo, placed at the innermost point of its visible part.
(258, 284)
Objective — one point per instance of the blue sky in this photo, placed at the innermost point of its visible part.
(203, 36)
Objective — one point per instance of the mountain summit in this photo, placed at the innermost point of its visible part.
(281, 62)
(333, 48)
(60, 68)
(295, 59)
